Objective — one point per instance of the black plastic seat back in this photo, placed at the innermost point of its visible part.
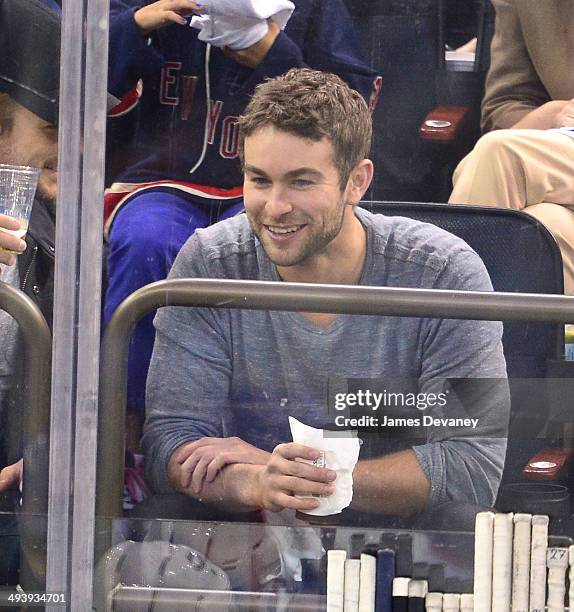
(520, 255)
(400, 41)
(403, 40)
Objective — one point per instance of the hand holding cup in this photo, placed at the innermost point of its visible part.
(17, 189)
(10, 244)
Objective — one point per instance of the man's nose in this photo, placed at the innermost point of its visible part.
(278, 203)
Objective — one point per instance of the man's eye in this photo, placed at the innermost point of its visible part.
(259, 180)
(302, 183)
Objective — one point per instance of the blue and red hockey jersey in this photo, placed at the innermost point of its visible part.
(173, 117)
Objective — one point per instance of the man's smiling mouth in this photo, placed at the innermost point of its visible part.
(283, 230)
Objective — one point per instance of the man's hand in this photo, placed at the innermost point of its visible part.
(553, 114)
(11, 476)
(9, 243)
(255, 479)
(565, 117)
(254, 55)
(164, 12)
(203, 459)
(283, 477)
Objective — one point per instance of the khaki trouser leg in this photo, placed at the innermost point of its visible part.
(528, 170)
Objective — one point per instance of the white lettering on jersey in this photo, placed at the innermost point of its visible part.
(214, 113)
(229, 138)
(377, 84)
(168, 80)
(188, 85)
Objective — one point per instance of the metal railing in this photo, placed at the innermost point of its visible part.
(258, 295)
(134, 597)
(36, 413)
(37, 345)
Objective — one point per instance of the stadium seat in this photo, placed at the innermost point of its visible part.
(520, 255)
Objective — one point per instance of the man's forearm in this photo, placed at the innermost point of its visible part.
(393, 484)
(233, 488)
(254, 55)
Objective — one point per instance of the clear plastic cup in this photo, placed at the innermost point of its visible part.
(17, 189)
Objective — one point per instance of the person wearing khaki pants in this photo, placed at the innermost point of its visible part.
(526, 161)
(528, 170)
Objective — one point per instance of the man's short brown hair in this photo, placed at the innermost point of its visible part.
(313, 105)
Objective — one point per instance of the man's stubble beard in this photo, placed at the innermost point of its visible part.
(316, 244)
(48, 200)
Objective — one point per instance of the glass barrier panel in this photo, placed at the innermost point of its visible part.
(175, 165)
(260, 566)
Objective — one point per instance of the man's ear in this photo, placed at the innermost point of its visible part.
(359, 181)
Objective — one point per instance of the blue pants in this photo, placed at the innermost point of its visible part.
(146, 235)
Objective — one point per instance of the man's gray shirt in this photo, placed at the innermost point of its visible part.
(222, 372)
(8, 335)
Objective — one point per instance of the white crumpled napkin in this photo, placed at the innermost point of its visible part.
(238, 24)
(568, 131)
(338, 454)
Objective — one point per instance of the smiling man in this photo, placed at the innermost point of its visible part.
(223, 382)
(30, 140)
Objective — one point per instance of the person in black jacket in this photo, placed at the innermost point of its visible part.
(29, 84)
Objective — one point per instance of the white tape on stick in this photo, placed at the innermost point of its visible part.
(538, 549)
(352, 577)
(521, 563)
(557, 564)
(483, 533)
(502, 562)
(336, 580)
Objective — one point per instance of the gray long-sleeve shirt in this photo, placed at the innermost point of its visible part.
(218, 372)
(8, 336)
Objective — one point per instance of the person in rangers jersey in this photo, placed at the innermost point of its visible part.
(184, 172)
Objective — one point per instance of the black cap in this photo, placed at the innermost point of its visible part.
(30, 55)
